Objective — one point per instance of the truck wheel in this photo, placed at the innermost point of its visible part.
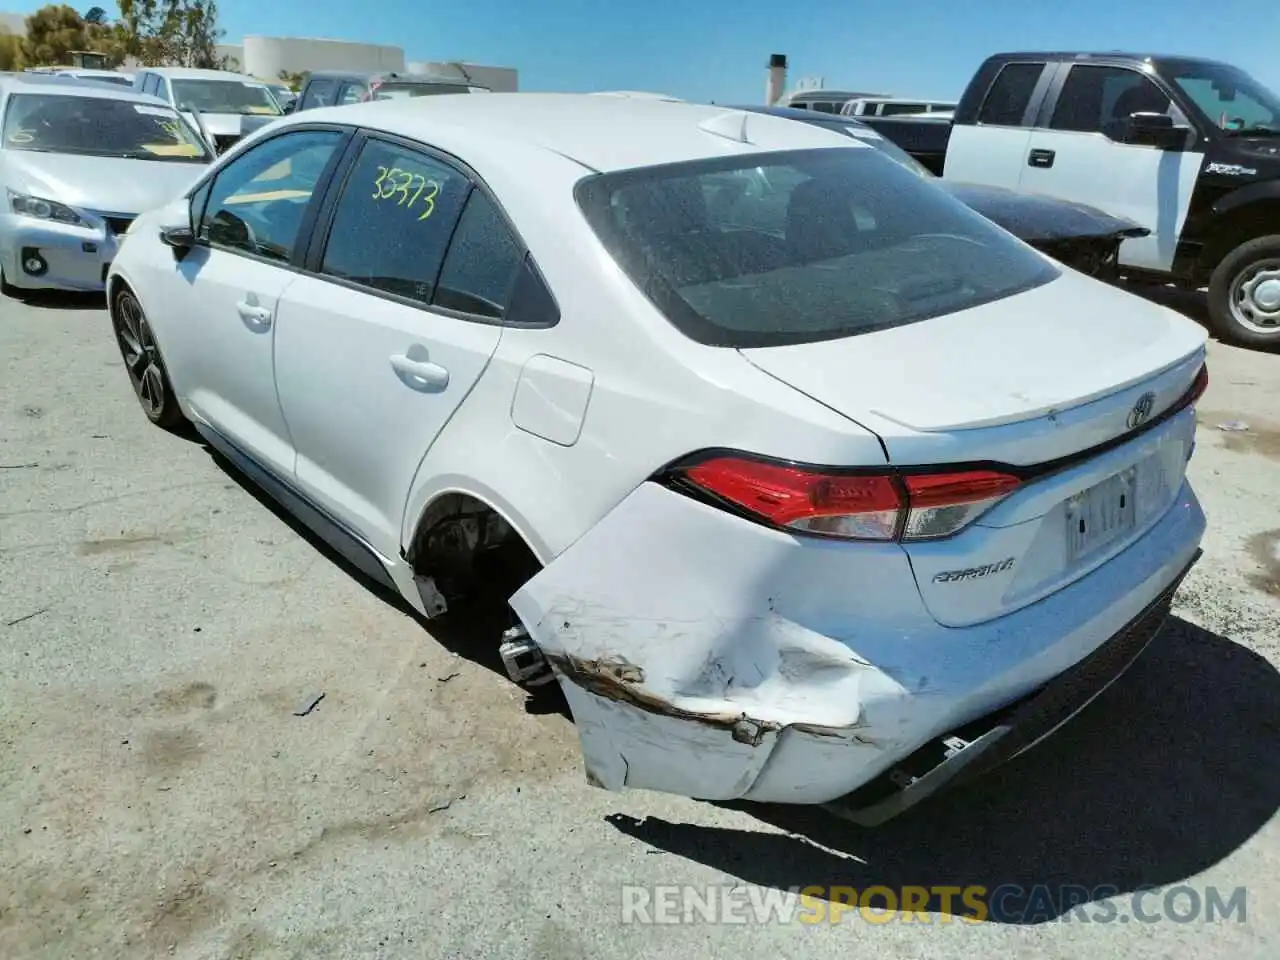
(1244, 294)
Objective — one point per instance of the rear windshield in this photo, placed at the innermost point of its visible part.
(99, 127)
(778, 248)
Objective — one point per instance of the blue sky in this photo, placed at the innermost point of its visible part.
(717, 49)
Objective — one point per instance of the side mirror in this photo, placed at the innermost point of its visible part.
(1153, 129)
(181, 239)
(289, 107)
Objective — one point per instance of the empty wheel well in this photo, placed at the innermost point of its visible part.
(470, 551)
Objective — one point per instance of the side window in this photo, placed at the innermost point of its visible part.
(481, 263)
(162, 89)
(393, 222)
(319, 94)
(1097, 99)
(258, 200)
(351, 93)
(1010, 94)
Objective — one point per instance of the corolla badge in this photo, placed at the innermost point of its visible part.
(974, 573)
(1141, 411)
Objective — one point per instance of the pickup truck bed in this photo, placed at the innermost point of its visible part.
(922, 137)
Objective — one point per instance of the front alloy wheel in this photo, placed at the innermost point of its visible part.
(1244, 294)
(143, 361)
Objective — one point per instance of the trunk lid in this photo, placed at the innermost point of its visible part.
(1048, 383)
(1052, 348)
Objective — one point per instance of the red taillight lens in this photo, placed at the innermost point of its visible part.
(853, 506)
(857, 507)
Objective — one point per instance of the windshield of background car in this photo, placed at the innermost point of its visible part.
(225, 96)
(99, 127)
(1227, 97)
(392, 91)
(802, 246)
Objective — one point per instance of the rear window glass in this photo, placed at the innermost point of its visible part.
(796, 247)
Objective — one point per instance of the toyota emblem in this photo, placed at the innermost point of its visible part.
(1141, 410)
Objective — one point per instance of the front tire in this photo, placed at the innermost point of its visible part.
(1244, 294)
(143, 362)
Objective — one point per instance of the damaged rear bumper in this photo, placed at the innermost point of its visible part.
(1007, 733)
(706, 656)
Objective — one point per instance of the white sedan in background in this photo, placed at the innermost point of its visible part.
(829, 489)
(78, 161)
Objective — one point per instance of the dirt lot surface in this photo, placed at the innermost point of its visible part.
(160, 625)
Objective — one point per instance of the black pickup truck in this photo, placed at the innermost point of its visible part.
(1186, 147)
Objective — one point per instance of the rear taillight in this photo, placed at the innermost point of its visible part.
(1198, 387)
(851, 506)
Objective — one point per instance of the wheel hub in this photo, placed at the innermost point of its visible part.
(1255, 297)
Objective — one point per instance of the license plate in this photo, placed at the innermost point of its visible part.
(1099, 516)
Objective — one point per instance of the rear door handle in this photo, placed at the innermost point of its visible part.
(254, 315)
(420, 374)
(1040, 158)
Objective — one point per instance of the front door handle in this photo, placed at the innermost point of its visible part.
(420, 374)
(1040, 158)
(255, 316)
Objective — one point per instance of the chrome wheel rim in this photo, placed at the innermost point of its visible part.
(1254, 297)
(141, 356)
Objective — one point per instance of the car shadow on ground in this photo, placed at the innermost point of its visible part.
(1167, 773)
(61, 300)
(473, 629)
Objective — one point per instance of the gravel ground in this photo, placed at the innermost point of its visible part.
(160, 626)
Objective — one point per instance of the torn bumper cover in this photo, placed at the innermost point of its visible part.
(706, 656)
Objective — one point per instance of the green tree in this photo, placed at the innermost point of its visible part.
(12, 55)
(52, 33)
(296, 81)
(96, 16)
(175, 32)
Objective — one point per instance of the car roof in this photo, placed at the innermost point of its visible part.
(196, 73)
(389, 75)
(60, 85)
(601, 133)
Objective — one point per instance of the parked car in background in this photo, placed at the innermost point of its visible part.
(219, 102)
(894, 106)
(824, 495)
(1082, 237)
(825, 100)
(284, 94)
(1190, 149)
(78, 162)
(114, 77)
(334, 88)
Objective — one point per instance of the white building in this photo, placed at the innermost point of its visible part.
(268, 57)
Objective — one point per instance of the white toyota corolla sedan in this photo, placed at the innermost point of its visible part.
(832, 490)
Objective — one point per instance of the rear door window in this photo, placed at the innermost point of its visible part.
(1010, 94)
(394, 221)
(802, 246)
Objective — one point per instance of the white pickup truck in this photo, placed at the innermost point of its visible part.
(1186, 147)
